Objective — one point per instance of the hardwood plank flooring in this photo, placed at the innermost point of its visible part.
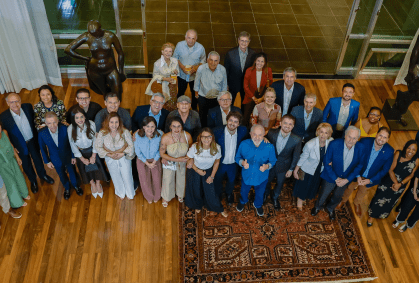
(112, 240)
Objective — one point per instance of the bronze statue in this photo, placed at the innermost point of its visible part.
(404, 99)
(102, 72)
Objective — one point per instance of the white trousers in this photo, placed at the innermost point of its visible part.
(121, 174)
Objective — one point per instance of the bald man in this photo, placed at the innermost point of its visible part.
(18, 121)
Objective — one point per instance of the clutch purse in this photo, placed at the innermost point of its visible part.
(156, 87)
(301, 174)
(91, 167)
(170, 166)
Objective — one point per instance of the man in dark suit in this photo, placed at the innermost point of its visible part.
(307, 118)
(217, 116)
(342, 163)
(18, 121)
(83, 99)
(376, 164)
(56, 152)
(153, 110)
(287, 149)
(289, 93)
(229, 138)
(236, 62)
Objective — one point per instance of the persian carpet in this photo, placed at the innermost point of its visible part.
(282, 246)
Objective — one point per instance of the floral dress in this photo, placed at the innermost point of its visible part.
(385, 198)
(40, 110)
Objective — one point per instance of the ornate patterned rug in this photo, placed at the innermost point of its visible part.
(282, 246)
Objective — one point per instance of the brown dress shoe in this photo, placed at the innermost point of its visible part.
(339, 206)
(358, 210)
(14, 214)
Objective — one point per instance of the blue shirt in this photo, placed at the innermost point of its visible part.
(256, 157)
(307, 118)
(146, 148)
(189, 56)
(157, 117)
(207, 80)
(373, 156)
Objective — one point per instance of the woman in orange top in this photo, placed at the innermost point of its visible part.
(369, 127)
(255, 79)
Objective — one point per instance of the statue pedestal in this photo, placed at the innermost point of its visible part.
(392, 119)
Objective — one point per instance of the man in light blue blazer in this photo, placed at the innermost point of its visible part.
(307, 118)
(57, 154)
(342, 163)
(229, 138)
(340, 112)
(376, 164)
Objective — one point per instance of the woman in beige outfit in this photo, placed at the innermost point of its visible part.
(173, 149)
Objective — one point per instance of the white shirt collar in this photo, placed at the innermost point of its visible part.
(14, 114)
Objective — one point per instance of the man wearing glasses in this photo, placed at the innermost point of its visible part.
(217, 116)
(83, 99)
(155, 110)
(237, 60)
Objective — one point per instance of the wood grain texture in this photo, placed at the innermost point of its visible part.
(111, 240)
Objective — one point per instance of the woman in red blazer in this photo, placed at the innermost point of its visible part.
(255, 79)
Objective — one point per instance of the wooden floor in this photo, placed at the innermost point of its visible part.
(109, 240)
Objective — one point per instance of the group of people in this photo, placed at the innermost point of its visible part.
(190, 154)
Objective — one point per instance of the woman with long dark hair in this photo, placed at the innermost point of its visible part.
(205, 157)
(82, 136)
(392, 186)
(48, 102)
(147, 146)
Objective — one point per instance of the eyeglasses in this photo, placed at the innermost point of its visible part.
(225, 100)
(375, 115)
(206, 137)
(244, 41)
(158, 102)
(83, 98)
(14, 102)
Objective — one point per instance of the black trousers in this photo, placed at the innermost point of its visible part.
(408, 204)
(325, 190)
(35, 156)
(280, 179)
(205, 104)
(182, 86)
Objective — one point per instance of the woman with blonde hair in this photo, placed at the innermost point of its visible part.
(268, 113)
(309, 167)
(165, 71)
(205, 157)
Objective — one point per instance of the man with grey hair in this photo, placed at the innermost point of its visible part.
(256, 159)
(307, 118)
(289, 93)
(211, 79)
(342, 162)
(236, 62)
(154, 109)
(190, 55)
(217, 116)
(18, 121)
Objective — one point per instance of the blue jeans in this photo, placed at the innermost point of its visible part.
(259, 191)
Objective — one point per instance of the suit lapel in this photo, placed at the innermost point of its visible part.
(317, 149)
(351, 111)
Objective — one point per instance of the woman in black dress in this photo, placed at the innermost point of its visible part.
(393, 184)
(311, 165)
(410, 202)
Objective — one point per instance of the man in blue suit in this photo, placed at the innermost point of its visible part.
(289, 93)
(217, 116)
(229, 138)
(56, 152)
(342, 163)
(376, 164)
(340, 112)
(236, 62)
(307, 118)
(18, 121)
(153, 110)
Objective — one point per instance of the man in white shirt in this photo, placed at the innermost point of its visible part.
(18, 121)
(229, 138)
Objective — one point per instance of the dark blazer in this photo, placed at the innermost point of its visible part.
(381, 164)
(215, 119)
(219, 137)
(288, 158)
(331, 112)
(299, 127)
(334, 155)
(235, 75)
(15, 135)
(141, 112)
(60, 155)
(297, 97)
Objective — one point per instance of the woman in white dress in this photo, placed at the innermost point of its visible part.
(114, 143)
(167, 67)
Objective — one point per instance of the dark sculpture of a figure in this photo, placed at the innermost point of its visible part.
(404, 99)
(102, 72)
